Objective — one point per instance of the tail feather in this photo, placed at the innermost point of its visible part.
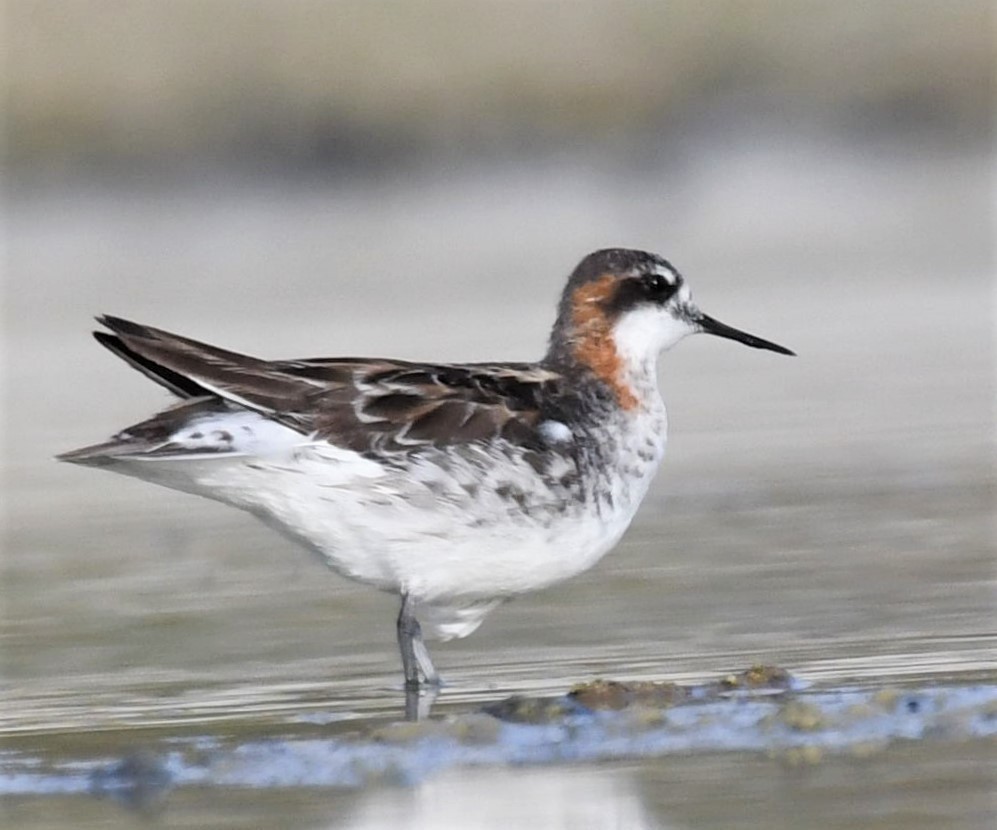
(104, 454)
(148, 436)
(213, 384)
(190, 368)
(179, 385)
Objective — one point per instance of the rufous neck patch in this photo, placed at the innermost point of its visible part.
(592, 338)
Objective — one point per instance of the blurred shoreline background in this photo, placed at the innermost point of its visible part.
(367, 87)
(416, 180)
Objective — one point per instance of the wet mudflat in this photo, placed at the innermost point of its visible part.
(737, 752)
(831, 514)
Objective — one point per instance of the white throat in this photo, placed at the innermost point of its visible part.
(642, 334)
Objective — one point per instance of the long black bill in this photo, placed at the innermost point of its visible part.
(711, 326)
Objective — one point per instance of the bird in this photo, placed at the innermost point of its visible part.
(455, 486)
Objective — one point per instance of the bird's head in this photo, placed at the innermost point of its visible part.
(621, 308)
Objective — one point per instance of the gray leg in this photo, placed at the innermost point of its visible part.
(419, 693)
(415, 655)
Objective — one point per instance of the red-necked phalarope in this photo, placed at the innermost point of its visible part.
(455, 486)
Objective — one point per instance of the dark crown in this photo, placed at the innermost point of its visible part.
(613, 261)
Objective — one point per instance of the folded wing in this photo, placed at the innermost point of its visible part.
(358, 404)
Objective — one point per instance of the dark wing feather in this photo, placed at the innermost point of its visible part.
(395, 406)
(355, 403)
(178, 384)
(235, 377)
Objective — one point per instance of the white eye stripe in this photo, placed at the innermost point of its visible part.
(670, 275)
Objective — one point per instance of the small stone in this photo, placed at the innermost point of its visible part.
(804, 717)
(602, 694)
(522, 709)
(759, 677)
(615, 695)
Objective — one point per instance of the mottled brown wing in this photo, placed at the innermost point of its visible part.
(360, 404)
(394, 406)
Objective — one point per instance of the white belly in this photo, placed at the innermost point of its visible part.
(416, 532)
(457, 531)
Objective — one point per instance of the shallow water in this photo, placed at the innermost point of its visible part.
(831, 513)
(910, 786)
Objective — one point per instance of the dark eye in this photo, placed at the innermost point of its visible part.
(657, 287)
